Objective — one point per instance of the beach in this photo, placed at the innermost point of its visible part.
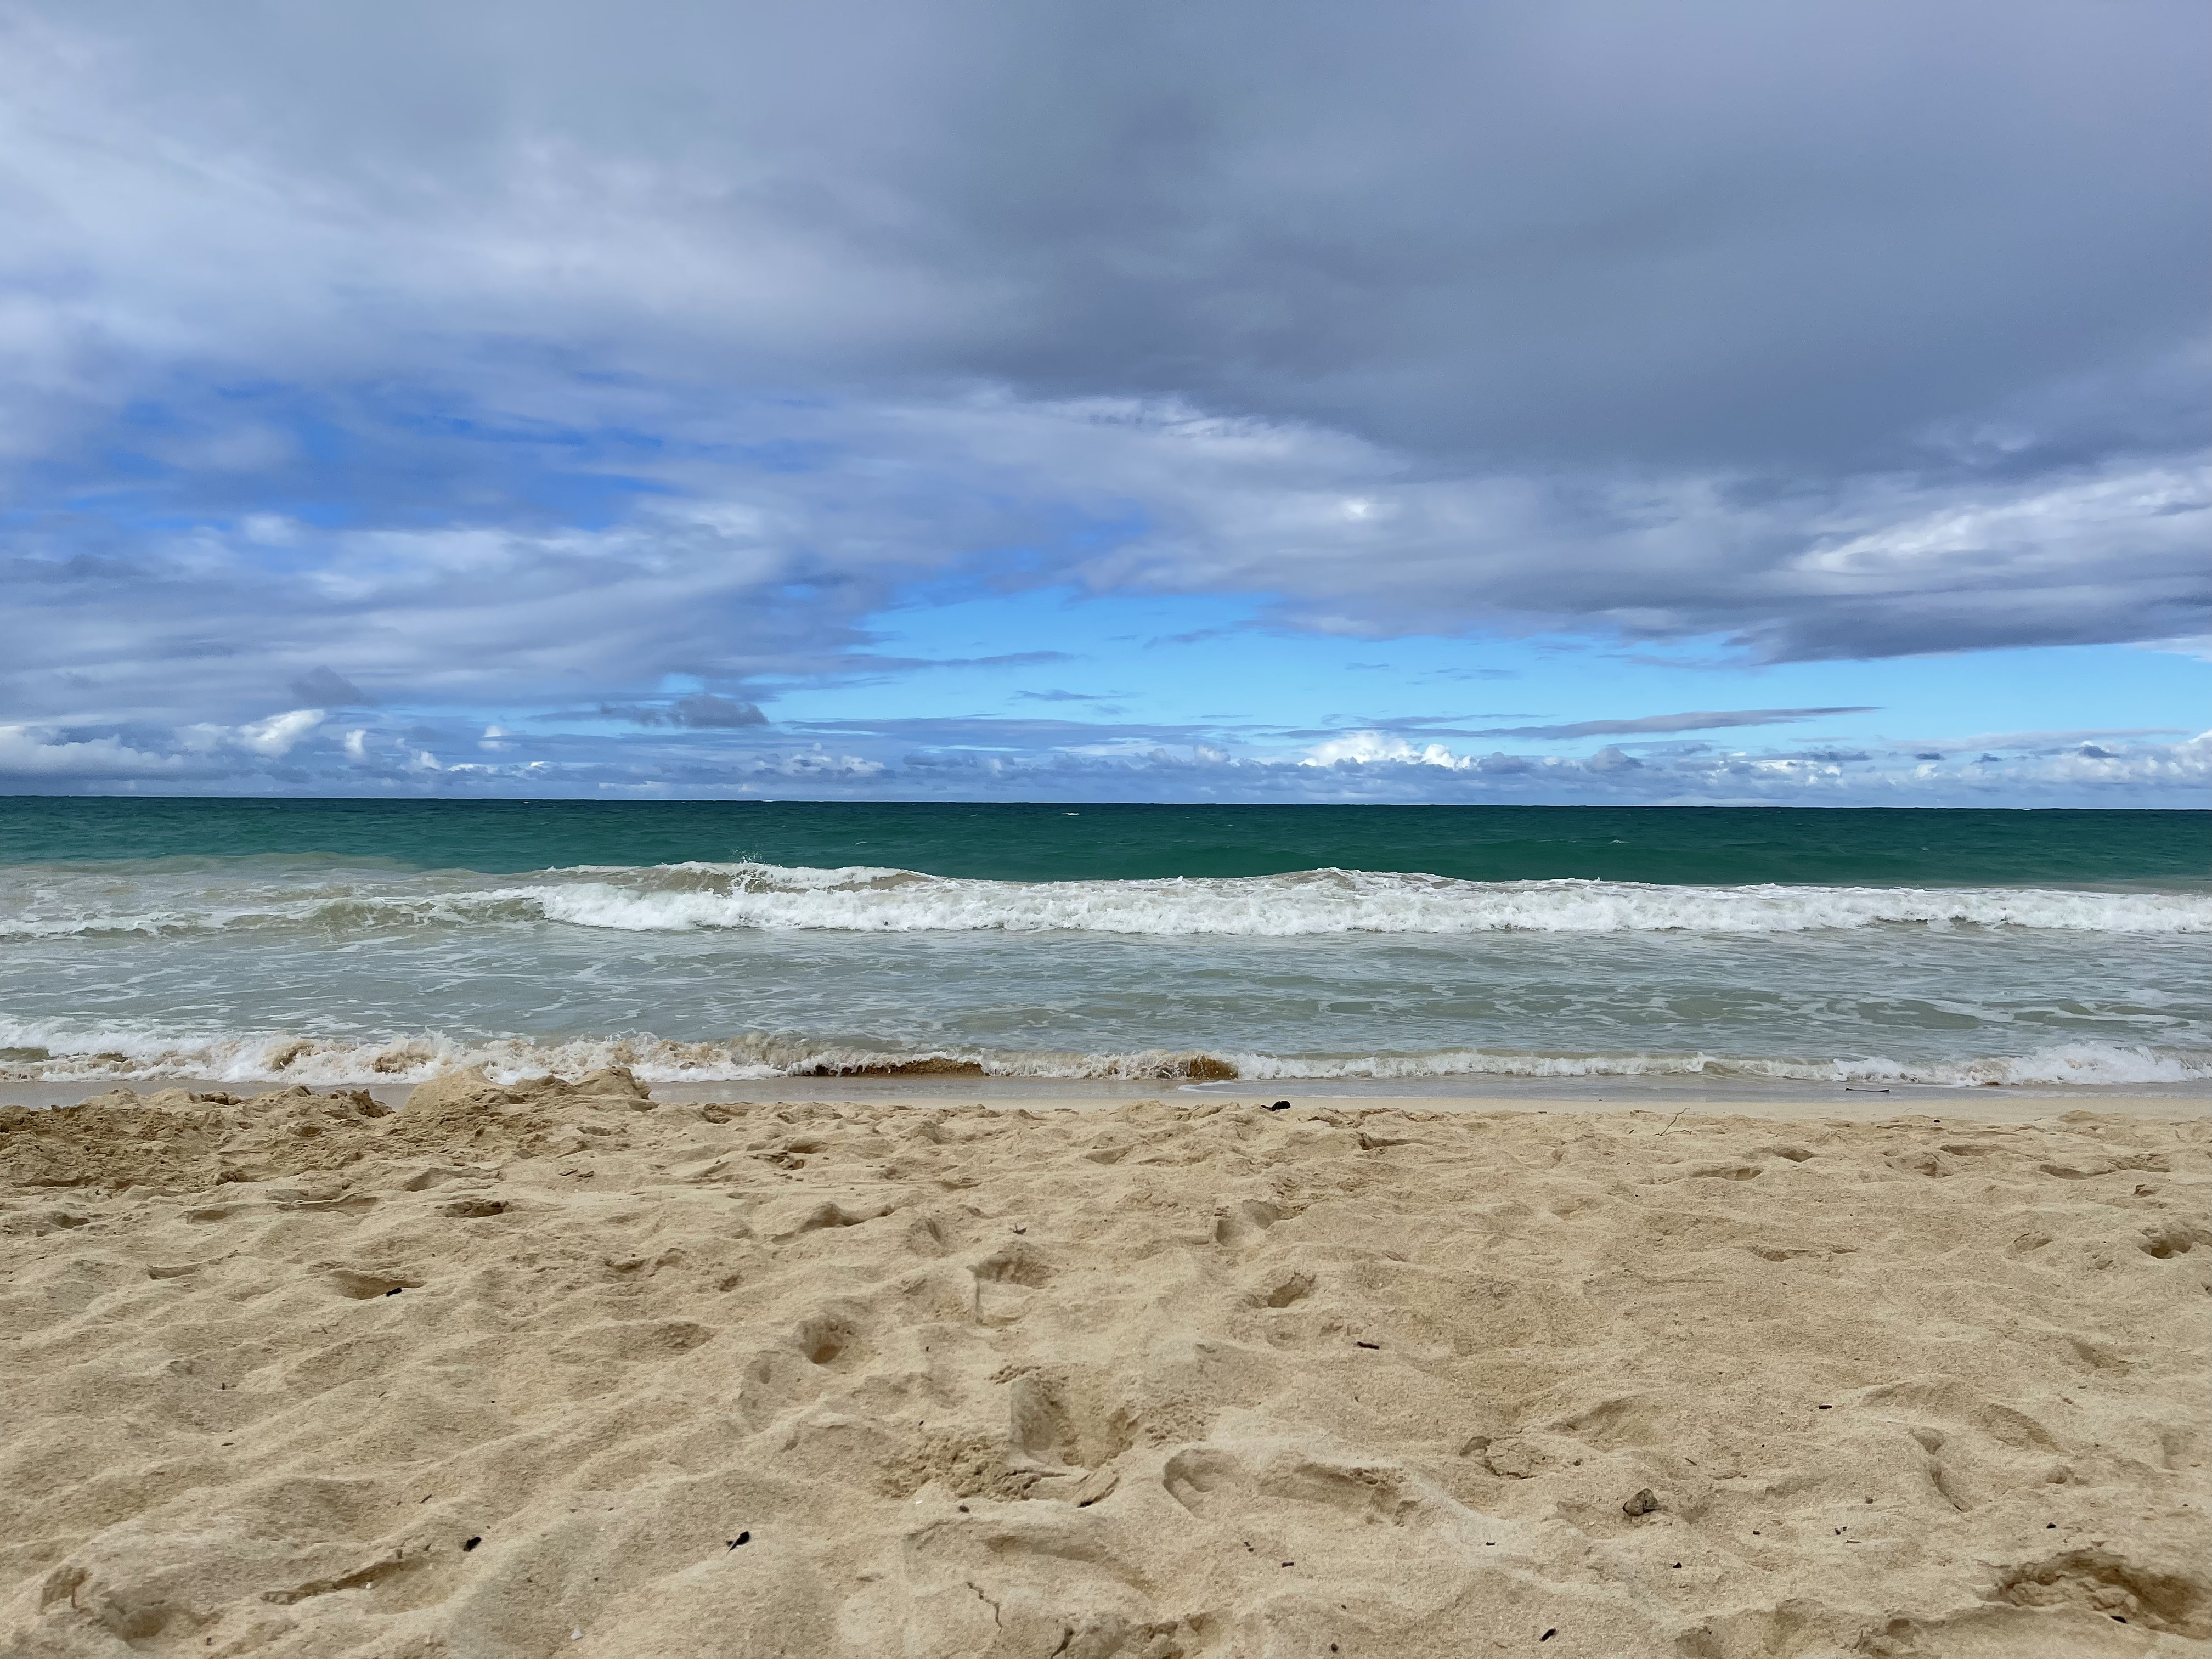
(1025, 831)
(561, 1368)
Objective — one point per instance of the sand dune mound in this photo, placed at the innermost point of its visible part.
(544, 1369)
(180, 1140)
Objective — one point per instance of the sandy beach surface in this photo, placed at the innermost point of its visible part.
(558, 1369)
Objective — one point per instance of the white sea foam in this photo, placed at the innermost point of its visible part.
(53, 1053)
(688, 897)
(1324, 901)
(2079, 1063)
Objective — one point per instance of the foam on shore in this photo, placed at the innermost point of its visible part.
(72, 1052)
(687, 897)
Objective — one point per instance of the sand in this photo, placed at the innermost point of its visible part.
(557, 1370)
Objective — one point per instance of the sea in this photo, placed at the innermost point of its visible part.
(1420, 948)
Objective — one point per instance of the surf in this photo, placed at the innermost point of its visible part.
(696, 897)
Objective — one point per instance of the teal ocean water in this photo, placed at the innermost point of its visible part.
(1047, 842)
(345, 941)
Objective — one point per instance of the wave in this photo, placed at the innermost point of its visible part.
(51, 1054)
(696, 897)
(331, 913)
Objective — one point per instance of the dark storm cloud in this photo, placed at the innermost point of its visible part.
(560, 346)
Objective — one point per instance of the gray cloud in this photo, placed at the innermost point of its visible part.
(326, 690)
(1194, 636)
(1820, 330)
(2045, 742)
(1843, 566)
(987, 732)
(1694, 239)
(769, 573)
(706, 713)
(702, 712)
(1705, 721)
(1004, 660)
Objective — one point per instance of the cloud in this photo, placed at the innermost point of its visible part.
(273, 737)
(706, 713)
(279, 734)
(1371, 748)
(1388, 767)
(1700, 722)
(1194, 636)
(692, 340)
(1876, 564)
(980, 758)
(702, 712)
(1693, 240)
(28, 753)
(2044, 742)
(1004, 660)
(1061, 696)
(1385, 748)
(984, 731)
(749, 573)
(326, 689)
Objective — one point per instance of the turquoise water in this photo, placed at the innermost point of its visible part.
(349, 941)
(1045, 842)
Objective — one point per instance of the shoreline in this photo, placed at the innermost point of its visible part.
(1605, 1096)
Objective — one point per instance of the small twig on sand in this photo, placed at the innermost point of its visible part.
(1672, 1121)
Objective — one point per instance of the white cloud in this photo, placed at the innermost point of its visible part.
(981, 759)
(274, 737)
(1373, 748)
(280, 733)
(27, 752)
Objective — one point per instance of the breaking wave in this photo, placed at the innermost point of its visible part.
(49, 1054)
(690, 897)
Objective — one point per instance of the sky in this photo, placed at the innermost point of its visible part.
(1018, 399)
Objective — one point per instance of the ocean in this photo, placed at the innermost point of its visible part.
(348, 942)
